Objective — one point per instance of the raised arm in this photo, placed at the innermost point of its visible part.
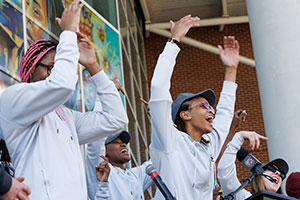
(111, 118)
(227, 170)
(230, 57)
(160, 101)
(93, 150)
(225, 108)
(102, 171)
(25, 103)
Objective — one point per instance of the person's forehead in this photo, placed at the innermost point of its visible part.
(198, 99)
(117, 140)
(50, 56)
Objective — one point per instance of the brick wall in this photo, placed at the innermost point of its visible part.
(197, 70)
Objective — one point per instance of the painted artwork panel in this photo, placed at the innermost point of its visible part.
(17, 3)
(11, 37)
(75, 102)
(6, 80)
(106, 43)
(44, 13)
(35, 32)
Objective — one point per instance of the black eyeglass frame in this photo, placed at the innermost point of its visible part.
(274, 169)
(48, 67)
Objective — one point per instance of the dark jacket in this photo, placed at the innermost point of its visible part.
(5, 181)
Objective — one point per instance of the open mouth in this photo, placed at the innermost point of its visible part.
(276, 179)
(124, 151)
(210, 118)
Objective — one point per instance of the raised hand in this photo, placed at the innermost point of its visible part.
(239, 117)
(70, 17)
(230, 53)
(103, 170)
(87, 56)
(253, 137)
(181, 27)
(146, 103)
(18, 190)
(118, 85)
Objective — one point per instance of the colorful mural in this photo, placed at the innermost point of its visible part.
(11, 36)
(5, 81)
(18, 3)
(41, 23)
(43, 13)
(106, 43)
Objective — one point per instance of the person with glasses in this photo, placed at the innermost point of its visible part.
(184, 154)
(43, 137)
(271, 180)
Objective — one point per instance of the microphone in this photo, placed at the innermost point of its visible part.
(152, 172)
(249, 161)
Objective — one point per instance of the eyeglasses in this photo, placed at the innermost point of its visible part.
(48, 67)
(274, 169)
(203, 104)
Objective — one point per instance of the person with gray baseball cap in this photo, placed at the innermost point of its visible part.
(112, 179)
(187, 134)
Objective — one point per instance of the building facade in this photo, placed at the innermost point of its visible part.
(117, 30)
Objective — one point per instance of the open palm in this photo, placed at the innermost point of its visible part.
(86, 50)
(230, 53)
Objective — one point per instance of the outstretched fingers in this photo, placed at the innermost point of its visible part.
(221, 50)
(181, 27)
(70, 17)
(253, 137)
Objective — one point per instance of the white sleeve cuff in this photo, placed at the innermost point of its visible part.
(237, 141)
(101, 80)
(171, 50)
(229, 87)
(68, 36)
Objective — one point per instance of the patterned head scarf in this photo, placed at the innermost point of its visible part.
(33, 55)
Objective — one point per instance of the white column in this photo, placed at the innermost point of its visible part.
(275, 33)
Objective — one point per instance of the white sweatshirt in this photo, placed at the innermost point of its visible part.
(43, 146)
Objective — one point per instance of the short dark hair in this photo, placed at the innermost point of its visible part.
(178, 120)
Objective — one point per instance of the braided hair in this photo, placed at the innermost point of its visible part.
(33, 55)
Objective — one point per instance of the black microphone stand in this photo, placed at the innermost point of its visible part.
(232, 195)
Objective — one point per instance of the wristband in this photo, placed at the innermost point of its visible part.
(172, 40)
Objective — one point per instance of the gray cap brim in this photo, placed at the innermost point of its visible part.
(208, 94)
(124, 137)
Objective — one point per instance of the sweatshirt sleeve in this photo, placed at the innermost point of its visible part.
(145, 178)
(161, 101)
(93, 150)
(26, 103)
(101, 122)
(103, 191)
(223, 117)
(227, 169)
